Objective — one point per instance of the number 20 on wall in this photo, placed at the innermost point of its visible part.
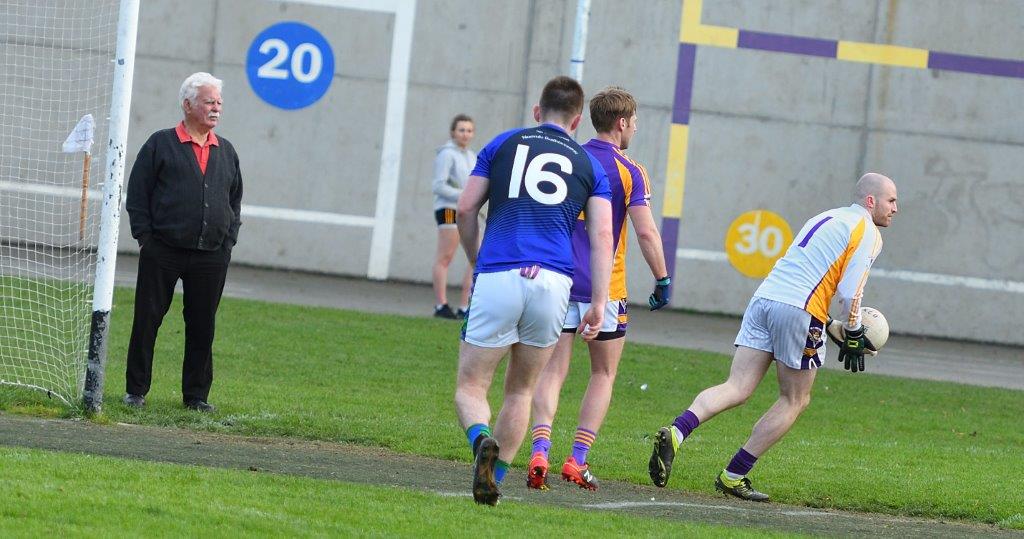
(290, 65)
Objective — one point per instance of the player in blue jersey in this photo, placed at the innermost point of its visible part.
(537, 181)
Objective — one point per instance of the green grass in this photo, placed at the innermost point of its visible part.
(867, 443)
(47, 494)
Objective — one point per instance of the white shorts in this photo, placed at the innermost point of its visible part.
(789, 333)
(507, 307)
(613, 325)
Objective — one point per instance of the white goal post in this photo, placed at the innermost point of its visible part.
(64, 62)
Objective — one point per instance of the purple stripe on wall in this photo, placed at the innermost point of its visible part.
(669, 241)
(791, 44)
(976, 64)
(684, 84)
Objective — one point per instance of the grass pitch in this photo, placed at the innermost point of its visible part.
(867, 443)
(147, 499)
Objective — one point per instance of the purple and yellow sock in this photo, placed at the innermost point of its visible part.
(741, 463)
(581, 445)
(474, 433)
(500, 469)
(541, 439)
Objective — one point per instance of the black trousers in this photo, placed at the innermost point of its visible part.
(202, 275)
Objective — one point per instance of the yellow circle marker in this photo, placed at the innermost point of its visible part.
(755, 240)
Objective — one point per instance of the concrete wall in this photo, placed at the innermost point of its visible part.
(773, 131)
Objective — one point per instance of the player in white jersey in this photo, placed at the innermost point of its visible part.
(785, 321)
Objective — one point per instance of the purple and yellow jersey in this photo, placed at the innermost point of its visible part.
(539, 181)
(830, 256)
(630, 187)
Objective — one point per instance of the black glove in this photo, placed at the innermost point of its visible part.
(851, 351)
(659, 298)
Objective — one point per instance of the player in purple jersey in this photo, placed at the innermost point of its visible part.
(536, 181)
(613, 113)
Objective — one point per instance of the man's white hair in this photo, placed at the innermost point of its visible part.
(190, 88)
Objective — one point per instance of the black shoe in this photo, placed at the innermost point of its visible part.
(660, 465)
(461, 314)
(741, 490)
(134, 401)
(445, 311)
(485, 489)
(200, 406)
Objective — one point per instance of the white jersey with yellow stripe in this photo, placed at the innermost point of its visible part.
(830, 256)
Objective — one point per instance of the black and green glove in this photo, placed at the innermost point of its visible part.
(851, 350)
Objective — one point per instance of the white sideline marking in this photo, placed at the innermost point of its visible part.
(627, 505)
(977, 283)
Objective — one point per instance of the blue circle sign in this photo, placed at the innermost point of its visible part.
(290, 65)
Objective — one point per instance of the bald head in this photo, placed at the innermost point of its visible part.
(870, 184)
(877, 193)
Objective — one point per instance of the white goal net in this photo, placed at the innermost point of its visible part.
(56, 66)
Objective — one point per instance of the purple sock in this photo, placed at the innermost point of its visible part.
(541, 439)
(686, 423)
(581, 445)
(741, 463)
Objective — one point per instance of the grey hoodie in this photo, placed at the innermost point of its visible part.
(451, 170)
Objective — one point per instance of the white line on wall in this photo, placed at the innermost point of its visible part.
(50, 190)
(394, 132)
(383, 222)
(306, 216)
(248, 210)
(977, 283)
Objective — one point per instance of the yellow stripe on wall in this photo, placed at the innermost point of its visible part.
(690, 18)
(715, 36)
(675, 181)
(882, 54)
(692, 31)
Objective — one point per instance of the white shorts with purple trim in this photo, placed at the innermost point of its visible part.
(789, 333)
(615, 316)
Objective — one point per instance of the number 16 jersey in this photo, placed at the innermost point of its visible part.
(539, 182)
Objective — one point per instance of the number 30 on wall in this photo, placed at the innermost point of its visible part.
(755, 240)
(290, 65)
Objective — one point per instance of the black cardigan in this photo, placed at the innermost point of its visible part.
(170, 199)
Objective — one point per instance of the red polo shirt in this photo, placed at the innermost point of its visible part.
(202, 150)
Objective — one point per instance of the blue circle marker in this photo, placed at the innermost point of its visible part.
(290, 65)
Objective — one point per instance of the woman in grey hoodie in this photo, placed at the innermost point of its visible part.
(452, 166)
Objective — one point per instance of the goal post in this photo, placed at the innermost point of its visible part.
(103, 292)
(59, 207)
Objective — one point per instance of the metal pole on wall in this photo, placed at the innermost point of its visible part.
(106, 251)
(579, 40)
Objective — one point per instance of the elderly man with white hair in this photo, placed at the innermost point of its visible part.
(184, 204)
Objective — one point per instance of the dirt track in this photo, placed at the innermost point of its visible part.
(380, 467)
